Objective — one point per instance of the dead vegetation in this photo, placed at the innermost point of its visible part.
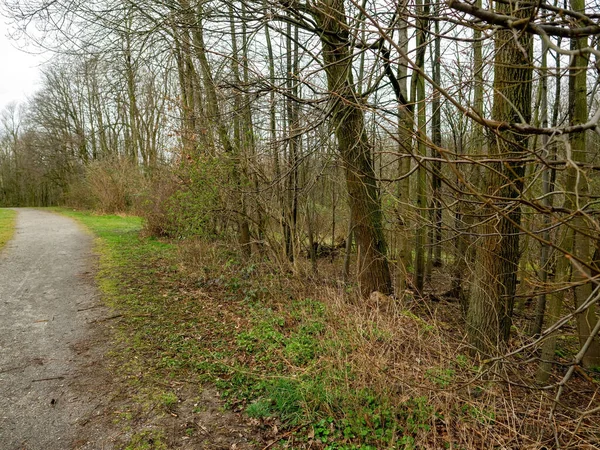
(214, 350)
(385, 373)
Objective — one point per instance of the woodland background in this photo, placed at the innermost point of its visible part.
(401, 156)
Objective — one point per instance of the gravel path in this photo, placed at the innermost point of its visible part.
(50, 343)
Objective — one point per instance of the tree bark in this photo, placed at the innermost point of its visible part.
(578, 195)
(418, 88)
(436, 137)
(406, 125)
(497, 256)
(347, 117)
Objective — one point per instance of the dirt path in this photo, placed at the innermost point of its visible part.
(49, 342)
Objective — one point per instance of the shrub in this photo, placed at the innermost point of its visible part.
(189, 201)
(110, 185)
(156, 203)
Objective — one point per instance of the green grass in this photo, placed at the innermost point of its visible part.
(239, 326)
(8, 219)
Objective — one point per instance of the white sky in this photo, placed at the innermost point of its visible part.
(19, 70)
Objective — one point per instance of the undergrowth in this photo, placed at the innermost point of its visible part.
(298, 357)
(7, 225)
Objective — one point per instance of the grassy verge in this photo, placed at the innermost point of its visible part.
(8, 219)
(309, 368)
(132, 281)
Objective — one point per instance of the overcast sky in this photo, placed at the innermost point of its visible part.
(19, 71)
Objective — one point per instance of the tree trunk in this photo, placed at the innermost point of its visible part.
(497, 256)
(465, 218)
(240, 138)
(213, 110)
(405, 149)
(418, 88)
(578, 194)
(347, 117)
(436, 137)
(546, 189)
(293, 141)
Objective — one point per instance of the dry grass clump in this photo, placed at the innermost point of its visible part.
(115, 184)
(409, 351)
(412, 352)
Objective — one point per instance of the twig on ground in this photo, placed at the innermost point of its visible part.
(49, 379)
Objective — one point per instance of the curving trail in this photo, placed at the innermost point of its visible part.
(51, 347)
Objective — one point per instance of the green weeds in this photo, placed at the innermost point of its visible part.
(210, 317)
(441, 377)
(147, 440)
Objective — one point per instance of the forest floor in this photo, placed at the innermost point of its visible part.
(217, 351)
(209, 350)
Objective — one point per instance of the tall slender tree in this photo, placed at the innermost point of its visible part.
(347, 117)
(492, 294)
